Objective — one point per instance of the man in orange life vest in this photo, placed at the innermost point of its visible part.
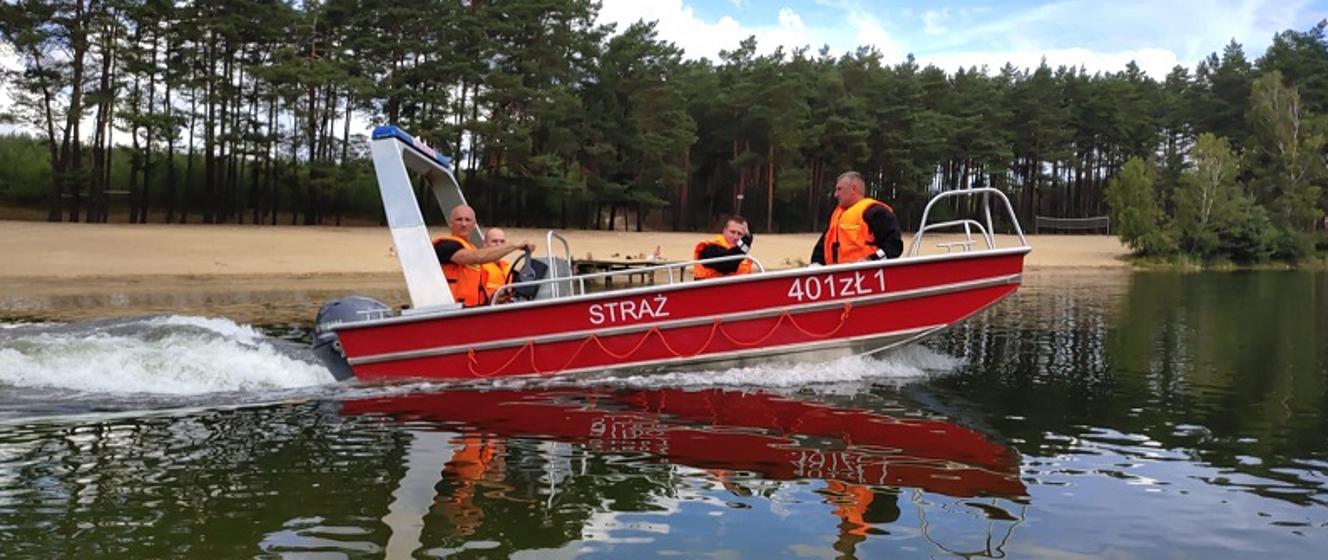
(498, 270)
(463, 262)
(860, 228)
(734, 240)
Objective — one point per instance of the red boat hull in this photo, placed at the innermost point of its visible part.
(851, 308)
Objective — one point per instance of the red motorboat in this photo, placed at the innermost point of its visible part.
(566, 328)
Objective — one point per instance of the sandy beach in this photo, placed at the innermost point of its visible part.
(65, 271)
(43, 250)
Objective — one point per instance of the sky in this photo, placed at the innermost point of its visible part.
(1099, 35)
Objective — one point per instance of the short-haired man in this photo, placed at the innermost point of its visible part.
(462, 262)
(498, 270)
(860, 228)
(734, 240)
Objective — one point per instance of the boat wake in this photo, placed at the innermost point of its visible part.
(168, 362)
(902, 365)
(163, 355)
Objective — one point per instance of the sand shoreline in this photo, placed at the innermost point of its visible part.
(270, 275)
(36, 252)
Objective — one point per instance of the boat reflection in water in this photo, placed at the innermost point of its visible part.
(745, 441)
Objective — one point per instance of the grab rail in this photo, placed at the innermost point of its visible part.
(553, 268)
(987, 231)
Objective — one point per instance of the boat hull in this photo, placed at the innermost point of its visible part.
(838, 310)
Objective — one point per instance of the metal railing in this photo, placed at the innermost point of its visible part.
(987, 230)
(553, 266)
(675, 272)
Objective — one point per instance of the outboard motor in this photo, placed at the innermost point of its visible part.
(350, 309)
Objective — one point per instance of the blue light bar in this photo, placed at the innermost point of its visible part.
(392, 131)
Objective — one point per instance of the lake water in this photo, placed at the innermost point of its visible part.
(1119, 415)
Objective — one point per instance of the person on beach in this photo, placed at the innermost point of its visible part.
(497, 271)
(463, 263)
(860, 228)
(733, 240)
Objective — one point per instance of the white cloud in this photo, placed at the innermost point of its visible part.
(1187, 30)
(790, 19)
(8, 61)
(701, 38)
(677, 23)
(932, 21)
(1154, 62)
(871, 33)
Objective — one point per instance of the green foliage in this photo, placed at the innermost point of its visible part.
(25, 175)
(237, 111)
(1287, 155)
(1134, 210)
(1213, 217)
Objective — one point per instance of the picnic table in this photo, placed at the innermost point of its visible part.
(590, 266)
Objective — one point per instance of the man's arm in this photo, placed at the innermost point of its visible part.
(480, 255)
(818, 252)
(713, 251)
(885, 229)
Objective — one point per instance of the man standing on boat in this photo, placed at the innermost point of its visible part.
(860, 228)
(733, 240)
(463, 262)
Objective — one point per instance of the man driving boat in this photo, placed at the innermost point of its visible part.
(463, 263)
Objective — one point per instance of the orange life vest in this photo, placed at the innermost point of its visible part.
(496, 276)
(849, 229)
(701, 272)
(466, 281)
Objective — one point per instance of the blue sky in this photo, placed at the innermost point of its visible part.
(1098, 35)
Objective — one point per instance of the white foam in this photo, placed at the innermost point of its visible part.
(162, 355)
(222, 326)
(23, 325)
(902, 365)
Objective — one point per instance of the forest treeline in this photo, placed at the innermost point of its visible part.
(246, 111)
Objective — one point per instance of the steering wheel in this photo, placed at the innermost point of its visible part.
(514, 275)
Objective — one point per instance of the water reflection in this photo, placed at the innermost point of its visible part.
(539, 472)
(739, 449)
(1190, 384)
(1145, 415)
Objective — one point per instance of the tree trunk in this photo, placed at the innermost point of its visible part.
(209, 135)
(71, 146)
(770, 189)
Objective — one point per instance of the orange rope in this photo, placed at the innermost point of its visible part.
(715, 328)
(569, 361)
(638, 346)
(473, 360)
(843, 318)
